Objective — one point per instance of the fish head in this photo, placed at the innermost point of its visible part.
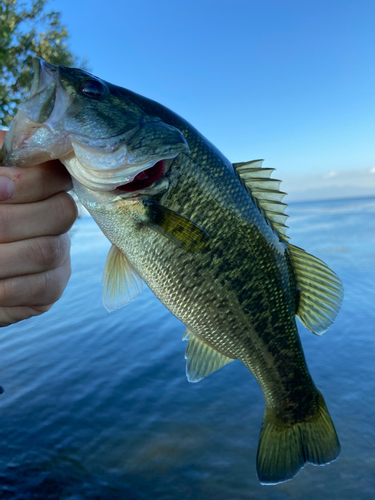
(102, 136)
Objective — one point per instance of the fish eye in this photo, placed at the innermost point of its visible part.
(92, 88)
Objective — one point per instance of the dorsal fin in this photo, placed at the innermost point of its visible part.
(265, 193)
(120, 280)
(321, 291)
(202, 359)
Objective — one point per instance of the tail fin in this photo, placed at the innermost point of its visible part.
(285, 448)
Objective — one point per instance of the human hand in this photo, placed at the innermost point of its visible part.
(35, 215)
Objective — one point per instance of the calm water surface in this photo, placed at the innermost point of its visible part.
(97, 405)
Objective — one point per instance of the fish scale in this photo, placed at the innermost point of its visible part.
(242, 291)
(207, 237)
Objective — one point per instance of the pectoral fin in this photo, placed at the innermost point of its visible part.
(120, 280)
(202, 359)
(174, 226)
(321, 291)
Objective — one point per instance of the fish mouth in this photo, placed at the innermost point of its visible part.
(48, 101)
(31, 138)
(144, 179)
(44, 75)
(119, 169)
(54, 122)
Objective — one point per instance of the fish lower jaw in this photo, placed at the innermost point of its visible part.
(124, 180)
(28, 143)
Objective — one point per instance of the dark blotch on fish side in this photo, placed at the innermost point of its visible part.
(1, 389)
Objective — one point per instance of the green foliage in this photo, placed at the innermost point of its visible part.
(26, 31)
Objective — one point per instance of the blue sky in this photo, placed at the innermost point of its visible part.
(289, 81)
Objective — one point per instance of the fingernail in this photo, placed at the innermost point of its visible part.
(6, 188)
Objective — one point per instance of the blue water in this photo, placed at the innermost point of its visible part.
(97, 405)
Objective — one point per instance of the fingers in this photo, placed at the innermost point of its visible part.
(49, 217)
(32, 184)
(10, 315)
(35, 214)
(41, 289)
(33, 256)
(38, 293)
(34, 272)
(35, 183)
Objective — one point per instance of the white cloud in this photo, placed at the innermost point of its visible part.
(330, 175)
(334, 184)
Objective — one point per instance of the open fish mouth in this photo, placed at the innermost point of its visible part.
(44, 75)
(32, 137)
(109, 171)
(60, 121)
(42, 98)
(145, 178)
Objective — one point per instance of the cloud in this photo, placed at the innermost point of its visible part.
(330, 175)
(334, 184)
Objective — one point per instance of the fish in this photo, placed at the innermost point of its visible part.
(207, 236)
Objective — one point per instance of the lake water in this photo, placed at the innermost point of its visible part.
(97, 405)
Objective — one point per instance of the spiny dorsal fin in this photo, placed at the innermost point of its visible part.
(321, 291)
(265, 193)
(120, 280)
(202, 359)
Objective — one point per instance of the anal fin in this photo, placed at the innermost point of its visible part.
(120, 280)
(202, 359)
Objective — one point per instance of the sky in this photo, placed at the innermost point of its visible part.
(289, 81)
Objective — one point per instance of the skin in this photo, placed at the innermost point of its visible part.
(35, 214)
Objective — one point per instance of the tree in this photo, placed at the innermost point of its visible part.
(26, 31)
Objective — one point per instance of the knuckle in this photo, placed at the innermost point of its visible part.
(47, 251)
(66, 210)
(52, 283)
(54, 287)
(41, 288)
(26, 290)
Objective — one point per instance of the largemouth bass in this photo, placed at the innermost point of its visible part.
(207, 237)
